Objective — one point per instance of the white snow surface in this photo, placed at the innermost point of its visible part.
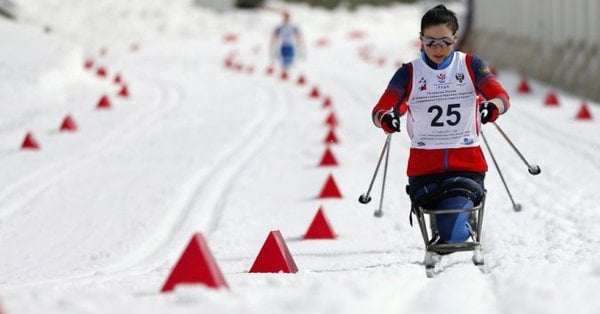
(95, 220)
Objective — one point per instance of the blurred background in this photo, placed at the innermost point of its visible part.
(553, 41)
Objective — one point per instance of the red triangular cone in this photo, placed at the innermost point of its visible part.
(124, 92)
(117, 79)
(551, 99)
(524, 87)
(330, 189)
(331, 120)
(356, 34)
(230, 37)
(68, 124)
(29, 142)
(584, 113)
(284, 75)
(89, 63)
(195, 266)
(270, 70)
(319, 228)
(331, 138)
(327, 102)
(328, 159)
(101, 72)
(274, 256)
(103, 103)
(301, 80)
(314, 93)
(322, 42)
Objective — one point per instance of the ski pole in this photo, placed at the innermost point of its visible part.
(379, 211)
(516, 207)
(533, 169)
(365, 197)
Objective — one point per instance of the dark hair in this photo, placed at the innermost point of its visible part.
(439, 15)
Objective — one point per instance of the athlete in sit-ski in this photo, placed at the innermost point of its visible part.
(439, 93)
(286, 42)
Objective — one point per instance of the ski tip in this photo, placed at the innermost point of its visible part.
(429, 272)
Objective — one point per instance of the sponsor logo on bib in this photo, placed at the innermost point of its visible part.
(422, 84)
(441, 77)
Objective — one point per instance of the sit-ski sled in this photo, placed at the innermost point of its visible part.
(434, 247)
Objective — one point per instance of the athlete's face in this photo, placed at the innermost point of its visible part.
(442, 47)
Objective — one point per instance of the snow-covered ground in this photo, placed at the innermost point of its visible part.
(94, 221)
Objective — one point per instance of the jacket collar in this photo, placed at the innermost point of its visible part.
(445, 63)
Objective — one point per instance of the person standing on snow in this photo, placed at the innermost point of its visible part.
(285, 42)
(439, 91)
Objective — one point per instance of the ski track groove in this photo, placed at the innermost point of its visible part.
(208, 188)
(143, 261)
(133, 126)
(27, 188)
(252, 150)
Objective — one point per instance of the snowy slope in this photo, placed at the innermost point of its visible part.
(95, 220)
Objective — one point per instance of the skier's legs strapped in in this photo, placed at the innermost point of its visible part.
(448, 191)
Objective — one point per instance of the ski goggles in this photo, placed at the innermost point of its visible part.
(443, 42)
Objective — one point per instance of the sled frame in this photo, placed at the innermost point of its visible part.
(445, 248)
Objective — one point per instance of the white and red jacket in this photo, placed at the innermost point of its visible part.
(443, 120)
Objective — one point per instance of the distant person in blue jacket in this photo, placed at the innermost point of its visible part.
(286, 42)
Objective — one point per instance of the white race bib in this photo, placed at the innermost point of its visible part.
(442, 108)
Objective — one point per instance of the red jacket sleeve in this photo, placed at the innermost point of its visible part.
(395, 94)
(486, 83)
